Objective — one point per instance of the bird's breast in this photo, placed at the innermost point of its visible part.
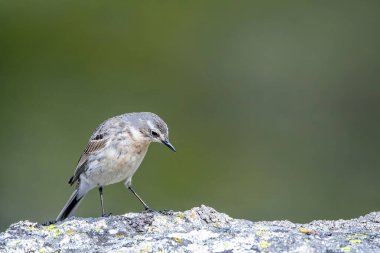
(116, 163)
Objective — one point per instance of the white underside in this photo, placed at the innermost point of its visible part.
(114, 164)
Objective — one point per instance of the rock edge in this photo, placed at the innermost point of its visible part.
(201, 229)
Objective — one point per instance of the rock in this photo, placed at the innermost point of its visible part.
(201, 229)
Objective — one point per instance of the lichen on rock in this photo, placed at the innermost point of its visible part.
(201, 229)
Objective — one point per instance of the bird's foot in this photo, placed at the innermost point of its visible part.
(48, 223)
(105, 215)
(166, 212)
(147, 209)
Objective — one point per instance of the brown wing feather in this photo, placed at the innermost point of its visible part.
(92, 146)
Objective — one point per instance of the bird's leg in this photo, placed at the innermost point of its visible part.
(101, 202)
(146, 207)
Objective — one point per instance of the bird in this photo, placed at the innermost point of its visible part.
(114, 152)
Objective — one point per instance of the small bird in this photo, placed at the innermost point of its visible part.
(113, 154)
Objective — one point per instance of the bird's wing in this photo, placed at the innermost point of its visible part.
(96, 143)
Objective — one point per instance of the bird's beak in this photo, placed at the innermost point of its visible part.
(169, 145)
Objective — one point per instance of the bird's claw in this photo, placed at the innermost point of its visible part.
(149, 210)
(105, 215)
(48, 223)
(166, 212)
(163, 212)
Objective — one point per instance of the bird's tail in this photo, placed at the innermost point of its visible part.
(70, 206)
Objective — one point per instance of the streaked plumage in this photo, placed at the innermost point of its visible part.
(114, 153)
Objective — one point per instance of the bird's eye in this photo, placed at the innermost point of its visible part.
(154, 134)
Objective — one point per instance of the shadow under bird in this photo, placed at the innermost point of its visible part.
(113, 154)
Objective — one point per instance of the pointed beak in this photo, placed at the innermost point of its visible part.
(169, 145)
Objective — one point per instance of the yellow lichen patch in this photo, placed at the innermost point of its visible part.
(57, 233)
(346, 249)
(70, 232)
(264, 244)
(179, 240)
(357, 236)
(193, 214)
(261, 232)
(356, 239)
(180, 215)
(307, 231)
(146, 249)
(179, 220)
(119, 236)
(50, 227)
(53, 230)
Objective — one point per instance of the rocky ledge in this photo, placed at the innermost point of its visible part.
(201, 229)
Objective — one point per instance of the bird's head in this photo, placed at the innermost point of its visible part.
(152, 128)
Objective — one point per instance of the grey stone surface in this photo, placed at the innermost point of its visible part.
(201, 229)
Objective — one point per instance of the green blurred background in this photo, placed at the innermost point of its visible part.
(273, 106)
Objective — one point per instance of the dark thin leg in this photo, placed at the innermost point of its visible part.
(101, 200)
(147, 208)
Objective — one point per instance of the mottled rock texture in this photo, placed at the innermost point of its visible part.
(201, 229)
